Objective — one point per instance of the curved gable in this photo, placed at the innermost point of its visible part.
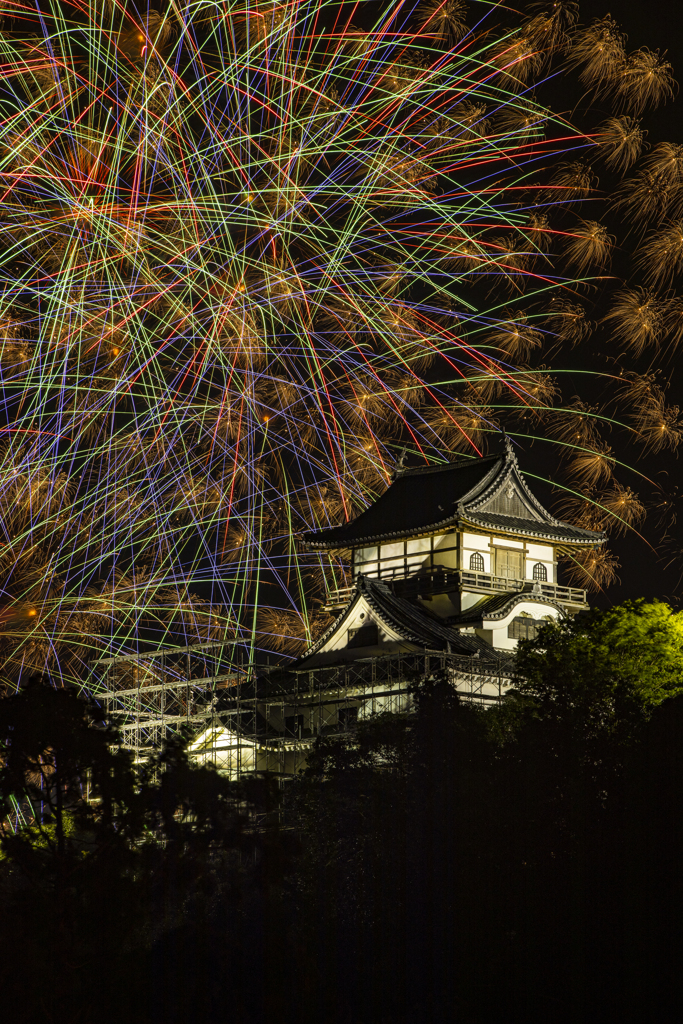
(510, 499)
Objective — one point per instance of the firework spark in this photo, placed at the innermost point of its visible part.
(249, 255)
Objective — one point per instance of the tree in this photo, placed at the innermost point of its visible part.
(395, 842)
(56, 753)
(102, 858)
(490, 853)
(597, 677)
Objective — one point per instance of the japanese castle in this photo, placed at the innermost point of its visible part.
(451, 567)
(458, 557)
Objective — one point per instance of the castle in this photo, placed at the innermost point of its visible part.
(461, 556)
(452, 565)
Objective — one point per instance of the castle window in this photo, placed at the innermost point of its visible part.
(539, 572)
(476, 562)
(523, 628)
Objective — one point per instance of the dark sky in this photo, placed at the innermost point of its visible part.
(657, 24)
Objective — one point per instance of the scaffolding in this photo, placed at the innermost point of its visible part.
(253, 718)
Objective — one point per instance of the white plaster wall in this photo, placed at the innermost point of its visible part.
(541, 553)
(418, 553)
(392, 556)
(449, 559)
(365, 561)
(360, 616)
(475, 542)
(472, 542)
(499, 630)
(468, 599)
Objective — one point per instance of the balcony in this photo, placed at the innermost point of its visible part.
(486, 583)
(444, 581)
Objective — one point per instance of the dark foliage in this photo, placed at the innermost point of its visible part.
(514, 864)
(109, 860)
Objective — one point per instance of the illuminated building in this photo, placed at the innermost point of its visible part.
(452, 565)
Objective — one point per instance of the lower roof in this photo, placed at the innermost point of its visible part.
(412, 622)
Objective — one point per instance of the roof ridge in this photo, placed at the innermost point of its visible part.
(404, 471)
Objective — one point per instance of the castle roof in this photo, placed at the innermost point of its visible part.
(412, 623)
(487, 494)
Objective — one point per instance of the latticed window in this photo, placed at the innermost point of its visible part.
(476, 562)
(523, 628)
(540, 572)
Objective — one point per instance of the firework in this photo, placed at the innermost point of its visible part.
(515, 339)
(659, 425)
(637, 318)
(457, 426)
(645, 197)
(572, 181)
(661, 257)
(213, 343)
(600, 51)
(593, 570)
(674, 323)
(617, 509)
(525, 120)
(249, 254)
(577, 425)
(621, 142)
(551, 26)
(590, 245)
(592, 467)
(568, 320)
(535, 392)
(443, 19)
(666, 159)
(625, 507)
(644, 80)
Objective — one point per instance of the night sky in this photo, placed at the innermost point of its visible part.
(657, 24)
(647, 571)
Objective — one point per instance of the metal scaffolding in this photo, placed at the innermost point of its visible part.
(249, 718)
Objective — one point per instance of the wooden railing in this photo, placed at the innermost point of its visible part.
(443, 580)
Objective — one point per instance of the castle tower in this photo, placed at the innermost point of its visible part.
(459, 557)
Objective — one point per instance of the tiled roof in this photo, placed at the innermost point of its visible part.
(412, 622)
(416, 624)
(514, 524)
(434, 498)
(417, 500)
(498, 607)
